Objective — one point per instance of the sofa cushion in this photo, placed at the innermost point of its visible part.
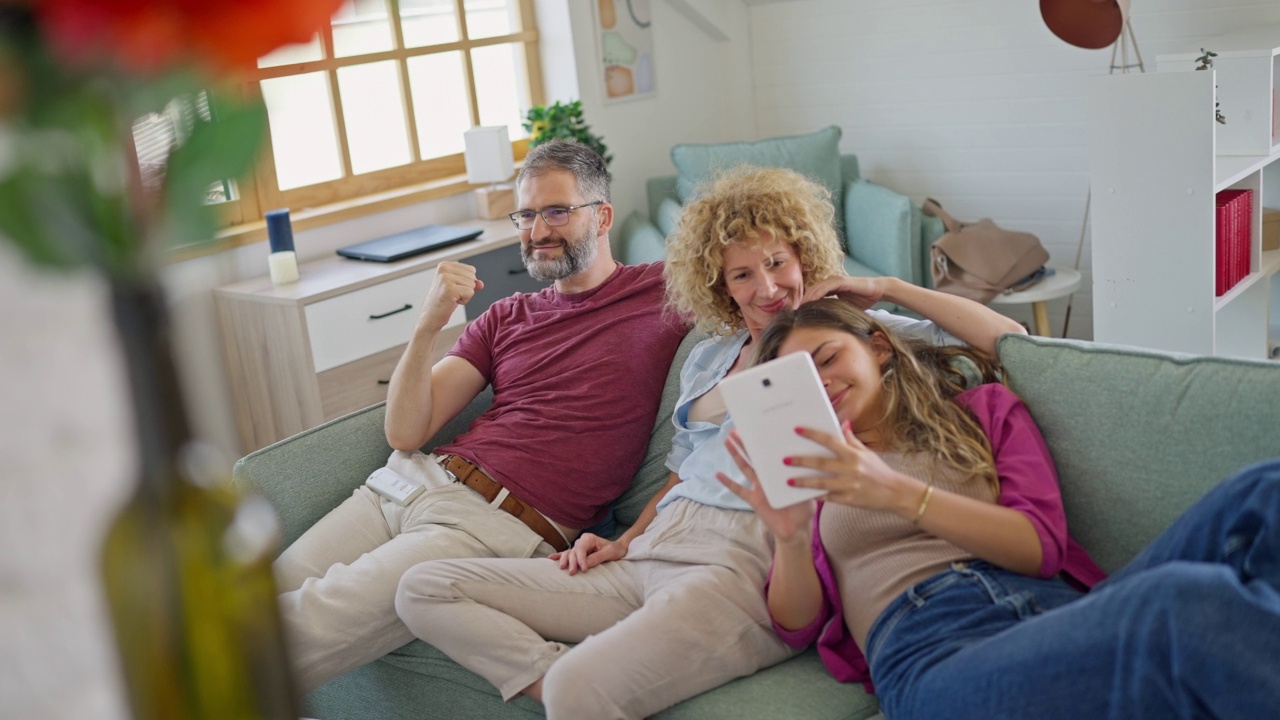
(1139, 436)
(418, 676)
(640, 242)
(882, 228)
(667, 217)
(657, 189)
(853, 268)
(816, 155)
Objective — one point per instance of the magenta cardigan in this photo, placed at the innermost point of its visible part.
(1028, 484)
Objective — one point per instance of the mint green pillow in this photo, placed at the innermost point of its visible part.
(639, 241)
(816, 156)
(668, 216)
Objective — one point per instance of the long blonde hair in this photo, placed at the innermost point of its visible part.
(920, 381)
(735, 205)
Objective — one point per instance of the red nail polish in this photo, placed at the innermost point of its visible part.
(799, 430)
(791, 482)
(786, 461)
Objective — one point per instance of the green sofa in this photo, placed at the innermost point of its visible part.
(1137, 437)
(884, 233)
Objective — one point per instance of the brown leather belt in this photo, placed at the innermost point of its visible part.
(478, 480)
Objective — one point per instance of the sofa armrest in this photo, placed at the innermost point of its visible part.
(639, 241)
(309, 474)
(883, 230)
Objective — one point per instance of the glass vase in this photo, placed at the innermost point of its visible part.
(187, 562)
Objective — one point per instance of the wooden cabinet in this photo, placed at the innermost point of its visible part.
(301, 354)
(1157, 161)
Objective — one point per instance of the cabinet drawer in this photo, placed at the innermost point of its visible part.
(357, 384)
(363, 383)
(368, 321)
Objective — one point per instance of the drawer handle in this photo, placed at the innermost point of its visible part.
(384, 382)
(407, 306)
(514, 271)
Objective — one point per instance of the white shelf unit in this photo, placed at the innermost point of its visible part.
(1157, 160)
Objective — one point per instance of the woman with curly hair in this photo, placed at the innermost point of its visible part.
(683, 612)
(940, 556)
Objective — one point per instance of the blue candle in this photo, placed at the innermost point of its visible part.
(279, 231)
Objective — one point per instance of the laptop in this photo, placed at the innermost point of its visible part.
(408, 244)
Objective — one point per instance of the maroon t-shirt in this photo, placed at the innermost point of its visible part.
(577, 379)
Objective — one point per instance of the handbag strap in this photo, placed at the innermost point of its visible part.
(933, 207)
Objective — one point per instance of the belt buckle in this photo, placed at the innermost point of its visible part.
(443, 462)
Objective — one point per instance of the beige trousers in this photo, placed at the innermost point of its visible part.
(338, 581)
(684, 613)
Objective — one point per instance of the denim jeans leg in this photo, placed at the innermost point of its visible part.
(1181, 640)
(1236, 524)
(916, 636)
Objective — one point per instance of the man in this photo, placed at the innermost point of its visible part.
(577, 372)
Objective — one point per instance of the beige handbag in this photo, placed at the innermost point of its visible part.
(980, 260)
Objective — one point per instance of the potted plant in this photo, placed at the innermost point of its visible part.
(564, 121)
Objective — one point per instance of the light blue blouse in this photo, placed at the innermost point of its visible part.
(698, 451)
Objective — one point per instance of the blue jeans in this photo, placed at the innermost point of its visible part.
(1189, 629)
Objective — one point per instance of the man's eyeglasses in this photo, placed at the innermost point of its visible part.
(554, 216)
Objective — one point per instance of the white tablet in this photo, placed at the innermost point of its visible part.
(767, 403)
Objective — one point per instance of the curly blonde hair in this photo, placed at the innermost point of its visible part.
(920, 381)
(731, 208)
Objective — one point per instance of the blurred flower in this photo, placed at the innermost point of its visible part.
(74, 77)
(147, 36)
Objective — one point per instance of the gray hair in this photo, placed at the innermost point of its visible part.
(587, 166)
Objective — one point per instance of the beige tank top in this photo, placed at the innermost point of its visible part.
(709, 407)
(877, 555)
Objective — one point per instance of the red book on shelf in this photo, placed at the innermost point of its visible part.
(1246, 237)
(1222, 224)
(1244, 226)
(1234, 239)
(1233, 242)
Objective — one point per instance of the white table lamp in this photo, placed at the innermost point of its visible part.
(489, 160)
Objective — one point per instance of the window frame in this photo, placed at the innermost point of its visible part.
(355, 195)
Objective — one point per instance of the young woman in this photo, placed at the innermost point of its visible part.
(683, 612)
(959, 601)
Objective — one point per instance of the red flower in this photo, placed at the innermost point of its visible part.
(148, 36)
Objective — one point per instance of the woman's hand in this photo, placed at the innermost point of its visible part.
(791, 523)
(862, 292)
(589, 551)
(857, 475)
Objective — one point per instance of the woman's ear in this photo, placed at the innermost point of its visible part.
(881, 348)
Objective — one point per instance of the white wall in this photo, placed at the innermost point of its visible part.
(703, 92)
(973, 102)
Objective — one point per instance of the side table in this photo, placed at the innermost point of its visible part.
(1061, 283)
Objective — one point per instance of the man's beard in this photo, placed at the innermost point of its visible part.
(577, 256)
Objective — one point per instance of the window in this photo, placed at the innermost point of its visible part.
(379, 101)
(154, 137)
